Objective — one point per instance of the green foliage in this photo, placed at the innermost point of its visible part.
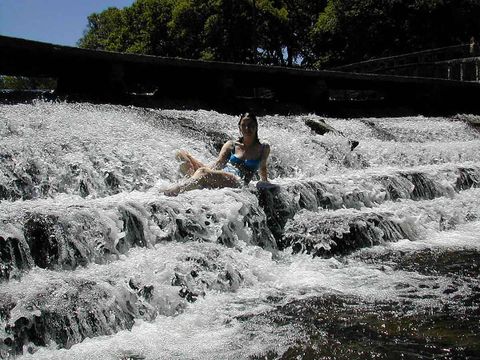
(355, 30)
(264, 31)
(25, 83)
(310, 33)
(107, 31)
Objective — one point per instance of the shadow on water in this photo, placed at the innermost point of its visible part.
(463, 263)
(259, 105)
(345, 327)
(336, 327)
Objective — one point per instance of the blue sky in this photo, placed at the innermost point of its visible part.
(55, 21)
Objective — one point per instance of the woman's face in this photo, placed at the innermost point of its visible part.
(248, 127)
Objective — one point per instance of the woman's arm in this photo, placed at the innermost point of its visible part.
(223, 156)
(263, 163)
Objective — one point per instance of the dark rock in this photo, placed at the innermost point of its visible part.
(14, 257)
(69, 313)
(424, 187)
(42, 237)
(325, 235)
(320, 127)
(467, 178)
(134, 232)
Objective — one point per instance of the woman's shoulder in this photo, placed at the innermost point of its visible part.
(230, 144)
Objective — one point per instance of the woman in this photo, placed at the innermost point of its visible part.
(238, 162)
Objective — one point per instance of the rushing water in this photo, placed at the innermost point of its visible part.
(370, 253)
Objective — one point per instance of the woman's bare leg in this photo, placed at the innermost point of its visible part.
(188, 164)
(205, 178)
(209, 178)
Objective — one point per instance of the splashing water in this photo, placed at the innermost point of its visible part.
(357, 253)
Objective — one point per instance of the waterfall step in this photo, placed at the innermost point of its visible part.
(325, 233)
(63, 235)
(63, 308)
(69, 232)
(363, 190)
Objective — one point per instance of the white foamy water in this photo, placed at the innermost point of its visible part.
(207, 267)
(210, 328)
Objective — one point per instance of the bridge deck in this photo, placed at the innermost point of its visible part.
(102, 73)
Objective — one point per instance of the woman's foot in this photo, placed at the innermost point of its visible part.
(173, 191)
(186, 185)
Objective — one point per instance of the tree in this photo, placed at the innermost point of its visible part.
(309, 33)
(355, 30)
(26, 83)
(107, 30)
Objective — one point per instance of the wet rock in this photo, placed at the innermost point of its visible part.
(344, 327)
(8, 194)
(282, 203)
(467, 178)
(206, 223)
(325, 235)
(83, 188)
(145, 291)
(447, 262)
(133, 228)
(424, 187)
(14, 257)
(231, 279)
(22, 180)
(70, 312)
(190, 287)
(397, 187)
(68, 239)
(472, 120)
(75, 236)
(380, 132)
(43, 236)
(112, 182)
(320, 127)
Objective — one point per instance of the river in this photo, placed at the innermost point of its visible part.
(364, 253)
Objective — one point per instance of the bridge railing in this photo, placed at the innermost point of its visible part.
(453, 63)
(464, 69)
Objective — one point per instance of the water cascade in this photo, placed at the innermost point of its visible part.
(365, 252)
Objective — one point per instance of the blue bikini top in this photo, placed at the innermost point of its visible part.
(251, 165)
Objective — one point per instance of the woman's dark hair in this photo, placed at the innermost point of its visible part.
(253, 118)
